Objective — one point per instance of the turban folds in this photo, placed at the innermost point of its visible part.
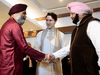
(17, 8)
(78, 7)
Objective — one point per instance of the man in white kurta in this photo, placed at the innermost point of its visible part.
(48, 47)
(93, 33)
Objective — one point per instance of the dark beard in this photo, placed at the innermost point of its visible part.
(76, 19)
(20, 19)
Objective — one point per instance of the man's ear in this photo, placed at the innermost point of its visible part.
(15, 16)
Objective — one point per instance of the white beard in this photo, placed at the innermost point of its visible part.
(20, 19)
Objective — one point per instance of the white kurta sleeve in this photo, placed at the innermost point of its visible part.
(63, 40)
(62, 52)
(93, 32)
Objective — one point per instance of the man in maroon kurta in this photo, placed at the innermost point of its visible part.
(13, 43)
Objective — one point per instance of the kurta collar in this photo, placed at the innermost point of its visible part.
(51, 30)
(78, 23)
(13, 19)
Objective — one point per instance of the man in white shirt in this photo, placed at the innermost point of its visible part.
(48, 41)
(85, 41)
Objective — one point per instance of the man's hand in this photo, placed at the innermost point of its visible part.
(49, 58)
(27, 57)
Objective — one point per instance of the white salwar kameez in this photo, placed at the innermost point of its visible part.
(48, 46)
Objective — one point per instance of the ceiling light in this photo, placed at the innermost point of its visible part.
(12, 2)
(31, 29)
(60, 0)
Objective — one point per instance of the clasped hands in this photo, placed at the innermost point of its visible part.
(49, 58)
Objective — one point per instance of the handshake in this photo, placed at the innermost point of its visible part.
(49, 58)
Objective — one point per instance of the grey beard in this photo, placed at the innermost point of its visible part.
(20, 19)
(76, 19)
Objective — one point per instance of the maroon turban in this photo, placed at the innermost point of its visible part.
(17, 8)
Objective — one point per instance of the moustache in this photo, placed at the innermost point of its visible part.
(76, 19)
(23, 17)
(48, 24)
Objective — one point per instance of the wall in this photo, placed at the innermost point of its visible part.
(68, 38)
(96, 15)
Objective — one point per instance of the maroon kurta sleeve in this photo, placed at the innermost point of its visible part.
(18, 36)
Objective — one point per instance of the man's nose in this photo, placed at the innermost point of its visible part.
(70, 15)
(48, 22)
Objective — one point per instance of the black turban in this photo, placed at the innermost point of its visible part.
(17, 8)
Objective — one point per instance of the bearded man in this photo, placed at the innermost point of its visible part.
(85, 41)
(13, 43)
